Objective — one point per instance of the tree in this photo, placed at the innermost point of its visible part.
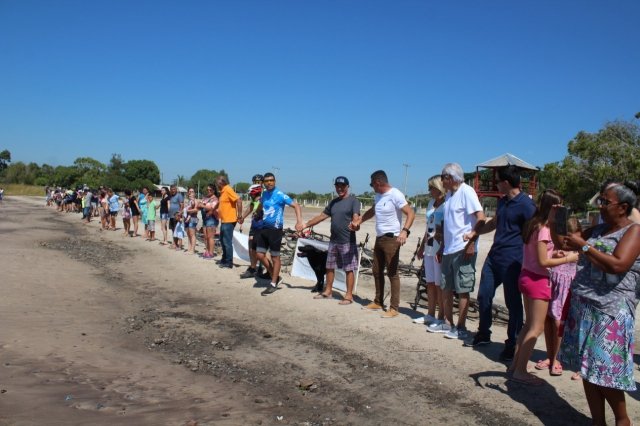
(91, 171)
(611, 153)
(203, 177)
(5, 158)
(140, 173)
(242, 187)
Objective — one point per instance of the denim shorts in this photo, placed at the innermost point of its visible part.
(191, 224)
(210, 222)
(164, 216)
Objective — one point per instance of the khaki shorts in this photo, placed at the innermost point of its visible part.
(458, 273)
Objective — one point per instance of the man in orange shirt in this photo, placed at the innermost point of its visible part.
(230, 211)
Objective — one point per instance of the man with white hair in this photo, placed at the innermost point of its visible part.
(463, 217)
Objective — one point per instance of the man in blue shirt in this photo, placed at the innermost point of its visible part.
(504, 260)
(272, 203)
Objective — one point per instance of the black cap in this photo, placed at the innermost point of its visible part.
(341, 180)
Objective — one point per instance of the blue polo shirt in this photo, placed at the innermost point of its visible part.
(512, 215)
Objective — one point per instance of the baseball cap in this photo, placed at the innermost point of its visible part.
(341, 180)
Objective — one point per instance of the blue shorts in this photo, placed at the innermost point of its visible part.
(164, 216)
(210, 222)
(192, 224)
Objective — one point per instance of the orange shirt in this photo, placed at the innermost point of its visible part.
(227, 207)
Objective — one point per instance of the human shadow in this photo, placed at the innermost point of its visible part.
(543, 402)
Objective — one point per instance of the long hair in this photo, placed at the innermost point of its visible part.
(546, 201)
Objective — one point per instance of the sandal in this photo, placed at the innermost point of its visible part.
(543, 364)
(345, 302)
(556, 370)
(321, 296)
(529, 380)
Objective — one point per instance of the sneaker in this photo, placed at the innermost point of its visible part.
(457, 333)
(267, 291)
(249, 273)
(264, 276)
(373, 306)
(507, 353)
(439, 327)
(478, 340)
(427, 319)
(391, 313)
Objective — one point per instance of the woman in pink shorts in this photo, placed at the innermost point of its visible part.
(535, 285)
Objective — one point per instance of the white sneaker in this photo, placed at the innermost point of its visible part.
(439, 327)
(427, 319)
(457, 333)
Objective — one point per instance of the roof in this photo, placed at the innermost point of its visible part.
(507, 160)
(159, 187)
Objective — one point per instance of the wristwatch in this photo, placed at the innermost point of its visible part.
(585, 248)
(407, 231)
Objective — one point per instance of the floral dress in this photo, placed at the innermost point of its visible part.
(598, 336)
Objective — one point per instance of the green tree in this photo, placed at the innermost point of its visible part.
(5, 159)
(140, 173)
(203, 177)
(610, 153)
(91, 171)
(242, 187)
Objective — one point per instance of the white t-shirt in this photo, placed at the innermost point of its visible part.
(388, 212)
(459, 218)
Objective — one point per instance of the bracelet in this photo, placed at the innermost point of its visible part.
(407, 231)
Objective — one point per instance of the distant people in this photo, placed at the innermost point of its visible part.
(164, 213)
(114, 208)
(253, 209)
(142, 203)
(210, 221)
(104, 210)
(428, 249)
(135, 211)
(176, 204)
(87, 200)
(230, 212)
(152, 206)
(191, 219)
(178, 231)
(504, 261)
(344, 211)
(599, 332)
(272, 203)
(1, 194)
(389, 206)
(126, 215)
(463, 217)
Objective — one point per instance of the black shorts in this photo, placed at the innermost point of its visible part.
(253, 238)
(113, 214)
(269, 240)
(172, 223)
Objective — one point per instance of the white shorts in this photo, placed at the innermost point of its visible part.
(432, 273)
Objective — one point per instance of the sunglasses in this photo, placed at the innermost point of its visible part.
(601, 201)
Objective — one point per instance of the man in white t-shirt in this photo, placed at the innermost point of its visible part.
(389, 205)
(463, 217)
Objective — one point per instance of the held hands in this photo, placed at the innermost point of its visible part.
(469, 236)
(299, 226)
(354, 225)
(469, 250)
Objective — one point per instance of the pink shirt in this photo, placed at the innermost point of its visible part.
(530, 260)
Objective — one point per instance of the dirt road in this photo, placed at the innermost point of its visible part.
(98, 328)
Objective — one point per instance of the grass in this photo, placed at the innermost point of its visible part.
(21, 189)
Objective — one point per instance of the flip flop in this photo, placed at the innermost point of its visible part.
(530, 380)
(542, 365)
(321, 296)
(556, 370)
(345, 302)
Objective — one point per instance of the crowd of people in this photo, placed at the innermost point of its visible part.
(580, 287)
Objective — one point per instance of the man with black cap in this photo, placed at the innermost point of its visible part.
(344, 211)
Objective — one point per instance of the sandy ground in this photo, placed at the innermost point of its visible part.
(98, 328)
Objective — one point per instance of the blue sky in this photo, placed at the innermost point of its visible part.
(312, 89)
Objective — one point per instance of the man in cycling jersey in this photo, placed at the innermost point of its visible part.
(255, 192)
(343, 210)
(272, 202)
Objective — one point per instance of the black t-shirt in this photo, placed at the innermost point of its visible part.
(164, 205)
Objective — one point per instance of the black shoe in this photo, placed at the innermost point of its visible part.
(478, 340)
(249, 273)
(264, 276)
(267, 291)
(507, 353)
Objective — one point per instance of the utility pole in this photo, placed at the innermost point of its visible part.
(406, 170)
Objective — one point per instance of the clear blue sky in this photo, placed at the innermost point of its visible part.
(314, 89)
